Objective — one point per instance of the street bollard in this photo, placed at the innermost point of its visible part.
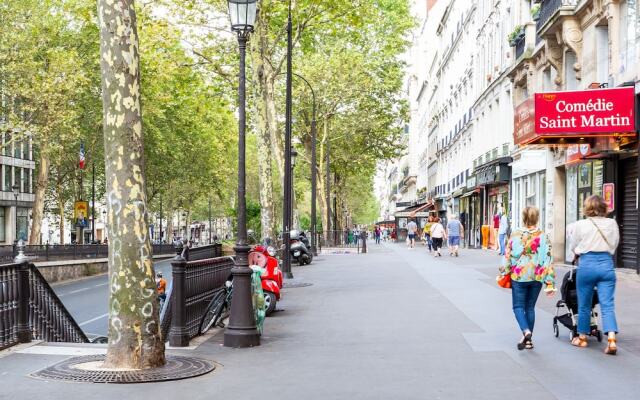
(363, 234)
(23, 332)
(178, 334)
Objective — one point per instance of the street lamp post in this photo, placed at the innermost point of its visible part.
(16, 193)
(294, 157)
(209, 220)
(286, 215)
(241, 330)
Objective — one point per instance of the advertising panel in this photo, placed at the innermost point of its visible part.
(80, 213)
(608, 193)
(524, 123)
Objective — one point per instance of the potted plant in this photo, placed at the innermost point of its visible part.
(516, 35)
(535, 12)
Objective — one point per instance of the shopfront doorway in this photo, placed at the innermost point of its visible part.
(628, 215)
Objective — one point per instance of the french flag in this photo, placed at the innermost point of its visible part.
(81, 162)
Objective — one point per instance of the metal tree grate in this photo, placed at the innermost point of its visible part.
(292, 285)
(176, 368)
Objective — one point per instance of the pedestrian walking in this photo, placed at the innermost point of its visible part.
(412, 229)
(528, 262)
(503, 228)
(454, 231)
(377, 234)
(438, 234)
(427, 233)
(594, 241)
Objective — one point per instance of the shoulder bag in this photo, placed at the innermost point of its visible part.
(601, 234)
(504, 281)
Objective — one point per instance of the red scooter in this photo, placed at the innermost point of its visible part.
(264, 257)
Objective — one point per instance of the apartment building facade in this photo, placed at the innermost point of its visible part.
(474, 99)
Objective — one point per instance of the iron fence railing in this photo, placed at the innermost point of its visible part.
(342, 239)
(48, 318)
(8, 305)
(194, 284)
(30, 309)
(549, 8)
(47, 252)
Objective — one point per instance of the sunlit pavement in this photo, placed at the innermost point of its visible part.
(391, 324)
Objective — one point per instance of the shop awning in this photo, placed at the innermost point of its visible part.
(418, 210)
(425, 206)
(474, 191)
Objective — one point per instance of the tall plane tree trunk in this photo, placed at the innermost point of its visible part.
(60, 205)
(134, 336)
(40, 189)
(266, 124)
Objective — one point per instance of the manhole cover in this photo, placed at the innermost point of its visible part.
(292, 285)
(86, 369)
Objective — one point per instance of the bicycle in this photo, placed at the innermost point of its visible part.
(217, 309)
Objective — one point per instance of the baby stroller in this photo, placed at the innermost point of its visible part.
(570, 303)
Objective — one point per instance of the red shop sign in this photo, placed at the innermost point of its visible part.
(524, 122)
(585, 112)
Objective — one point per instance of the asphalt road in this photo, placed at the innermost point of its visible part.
(86, 299)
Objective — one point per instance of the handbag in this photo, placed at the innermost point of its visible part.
(504, 281)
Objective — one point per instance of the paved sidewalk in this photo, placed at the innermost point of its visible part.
(391, 324)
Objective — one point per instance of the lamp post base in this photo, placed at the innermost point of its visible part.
(241, 338)
(288, 275)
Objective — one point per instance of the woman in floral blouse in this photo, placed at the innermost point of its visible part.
(528, 260)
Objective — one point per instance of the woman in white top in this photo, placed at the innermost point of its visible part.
(594, 241)
(437, 235)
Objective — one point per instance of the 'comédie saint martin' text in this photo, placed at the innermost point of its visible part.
(586, 121)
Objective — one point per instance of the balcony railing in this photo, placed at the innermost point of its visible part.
(521, 45)
(550, 8)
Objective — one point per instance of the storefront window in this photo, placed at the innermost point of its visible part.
(518, 203)
(543, 201)
(571, 201)
(598, 177)
(585, 186)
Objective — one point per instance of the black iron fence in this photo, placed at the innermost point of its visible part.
(342, 239)
(30, 309)
(194, 284)
(49, 252)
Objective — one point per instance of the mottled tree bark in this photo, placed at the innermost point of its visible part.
(134, 335)
(266, 125)
(40, 191)
(60, 210)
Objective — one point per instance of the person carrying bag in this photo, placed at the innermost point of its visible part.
(528, 263)
(594, 241)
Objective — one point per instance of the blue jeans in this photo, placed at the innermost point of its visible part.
(524, 296)
(596, 269)
(502, 239)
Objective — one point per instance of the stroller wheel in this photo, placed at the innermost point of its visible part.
(599, 335)
(556, 330)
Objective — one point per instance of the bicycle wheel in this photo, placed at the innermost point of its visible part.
(214, 310)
